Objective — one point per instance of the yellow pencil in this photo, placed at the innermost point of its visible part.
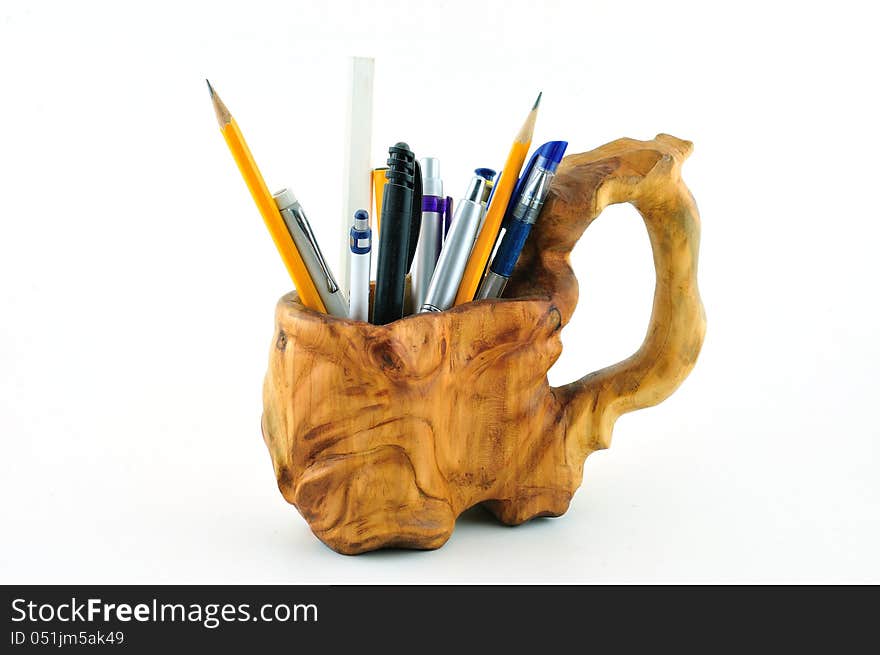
(308, 294)
(379, 181)
(482, 249)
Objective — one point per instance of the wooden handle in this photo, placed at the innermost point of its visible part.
(648, 175)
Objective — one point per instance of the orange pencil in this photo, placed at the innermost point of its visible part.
(308, 294)
(482, 249)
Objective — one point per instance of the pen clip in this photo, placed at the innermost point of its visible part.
(332, 287)
(447, 217)
(415, 225)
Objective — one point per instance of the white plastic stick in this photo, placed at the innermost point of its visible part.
(358, 144)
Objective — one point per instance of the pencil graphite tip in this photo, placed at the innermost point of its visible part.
(525, 132)
(210, 88)
(223, 115)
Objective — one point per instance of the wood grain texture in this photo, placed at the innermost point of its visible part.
(382, 435)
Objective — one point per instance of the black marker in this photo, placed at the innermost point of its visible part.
(394, 237)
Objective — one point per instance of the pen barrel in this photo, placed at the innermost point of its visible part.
(394, 237)
(523, 215)
(456, 251)
(428, 250)
(511, 245)
(391, 265)
(300, 231)
(360, 243)
(492, 286)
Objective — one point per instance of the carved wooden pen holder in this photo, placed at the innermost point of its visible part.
(381, 435)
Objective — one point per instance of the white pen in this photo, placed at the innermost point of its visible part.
(359, 244)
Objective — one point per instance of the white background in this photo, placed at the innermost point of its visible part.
(138, 282)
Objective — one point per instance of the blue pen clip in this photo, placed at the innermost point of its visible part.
(447, 216)
(551, 154)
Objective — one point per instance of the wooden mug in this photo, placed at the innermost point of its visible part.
(381, 435)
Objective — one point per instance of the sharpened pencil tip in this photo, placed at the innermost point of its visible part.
(223, 115)
(525, 132)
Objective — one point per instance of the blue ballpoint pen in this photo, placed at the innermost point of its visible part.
(522, 212)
